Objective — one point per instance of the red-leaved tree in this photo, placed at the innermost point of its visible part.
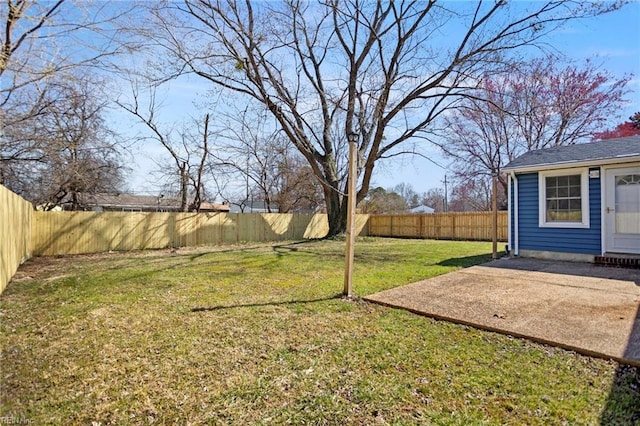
(533, 105)
(628, 128)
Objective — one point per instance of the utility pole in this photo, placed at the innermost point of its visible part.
(446, 202)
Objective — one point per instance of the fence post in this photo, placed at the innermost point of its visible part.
(453, 227)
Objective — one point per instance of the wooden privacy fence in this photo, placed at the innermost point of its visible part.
(15, 233)
(24, 232)
(60, 233)
(449, 226)
(57, 233)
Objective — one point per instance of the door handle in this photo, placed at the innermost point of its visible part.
(609, 210)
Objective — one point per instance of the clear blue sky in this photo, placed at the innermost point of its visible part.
(614, 39)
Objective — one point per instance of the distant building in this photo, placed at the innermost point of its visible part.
(422, 209)
(133, 203)
(214, 207)
(253, 207)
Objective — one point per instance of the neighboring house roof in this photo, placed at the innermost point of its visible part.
(609, 151)
(214, 207)
(134, 201)
(422, 209)
(257, 206)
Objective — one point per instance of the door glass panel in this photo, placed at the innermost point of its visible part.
(627, 204)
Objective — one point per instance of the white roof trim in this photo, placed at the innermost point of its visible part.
(622, 159)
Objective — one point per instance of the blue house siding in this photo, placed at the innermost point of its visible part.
(512, 220)
(567, 240)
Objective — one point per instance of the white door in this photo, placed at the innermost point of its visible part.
(622, 210)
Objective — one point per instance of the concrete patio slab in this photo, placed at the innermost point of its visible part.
(591, 309)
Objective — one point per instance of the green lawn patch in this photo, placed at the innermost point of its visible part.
(260, 335)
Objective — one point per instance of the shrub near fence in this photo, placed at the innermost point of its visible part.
(471, 226)
(15, 233)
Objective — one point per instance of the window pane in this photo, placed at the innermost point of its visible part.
(574, 191)
(628, 180)
(563, 198)
(575, 205)
(627, 207)
(563, 192)
(552, 192)
(574, 180)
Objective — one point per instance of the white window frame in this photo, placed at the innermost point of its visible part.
(542, 198)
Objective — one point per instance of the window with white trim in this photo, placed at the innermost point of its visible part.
(564, 198)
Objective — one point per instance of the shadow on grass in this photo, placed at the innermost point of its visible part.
(141, 267)
(243, 249)
(623, 404)
(304, 246)
(465, 262)
(307, 247)
(254, 305)
(182, 260)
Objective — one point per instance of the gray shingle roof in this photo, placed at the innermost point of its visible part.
(608, 151)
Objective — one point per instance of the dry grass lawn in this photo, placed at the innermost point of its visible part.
(260, 335)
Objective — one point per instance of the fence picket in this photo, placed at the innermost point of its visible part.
(15, 233)
(448, 226)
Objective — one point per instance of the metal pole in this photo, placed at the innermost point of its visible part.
(351, 217)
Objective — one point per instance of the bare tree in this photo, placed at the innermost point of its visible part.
(298, 190)
(254, 151)
(251, 150)
(380, 201)
(197, 176)
(407, 192)
(189, 151)
(475, 195)
(385, 70)
(73, 149)
(42, 38)
(42, 44)
(533, 105)
(435, 199)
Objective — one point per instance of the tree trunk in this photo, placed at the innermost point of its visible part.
(336, 213)
(74, 201)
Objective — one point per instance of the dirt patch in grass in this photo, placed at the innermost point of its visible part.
(259, 335)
